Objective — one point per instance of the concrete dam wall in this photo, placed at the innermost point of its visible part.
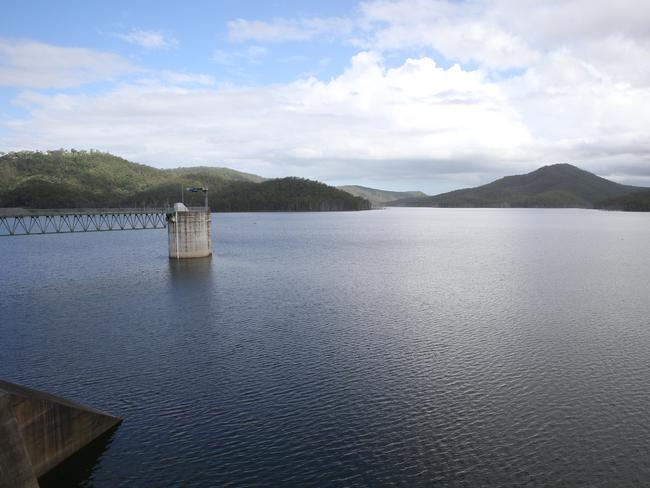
(38, 431)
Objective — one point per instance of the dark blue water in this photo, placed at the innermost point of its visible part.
(408, 347)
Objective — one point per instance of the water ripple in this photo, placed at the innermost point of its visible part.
(394, 348)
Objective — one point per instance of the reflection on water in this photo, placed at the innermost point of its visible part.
(190, 271)
(406, 347)
(78, 469)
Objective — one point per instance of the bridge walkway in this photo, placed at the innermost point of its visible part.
(19, 221)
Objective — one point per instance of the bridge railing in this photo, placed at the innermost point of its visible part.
(59, 221)
(22, 212)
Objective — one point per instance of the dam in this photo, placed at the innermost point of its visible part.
(189, 229)
(38, 431)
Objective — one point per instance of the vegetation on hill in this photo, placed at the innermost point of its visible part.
(638, 201)
(555, 186)
(222, 174)
(378, 198)
(74, 179)
(285, 194)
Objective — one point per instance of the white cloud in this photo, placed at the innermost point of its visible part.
(34, 64)
(149, 39)
(175, 78)
(580, 93)
(364, 121)
(414, 122)
(557, 22)
(252, 54)
(282, 30)
(459, 31)
(501, 34)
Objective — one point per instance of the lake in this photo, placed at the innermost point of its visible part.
(406, 347)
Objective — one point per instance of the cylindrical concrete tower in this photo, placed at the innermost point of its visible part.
(190, 234)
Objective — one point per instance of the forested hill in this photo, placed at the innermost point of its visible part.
(285, 194)
(225, 174)
(378, 198)
(74, 179)
(638, 201)
(555, 186)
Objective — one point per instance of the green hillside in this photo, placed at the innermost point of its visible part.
(285, 194)
(224, 174)
(216, 179)
(75, 179)
(555, 186)
(638, 201)
(378, 198)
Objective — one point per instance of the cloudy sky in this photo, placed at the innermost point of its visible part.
(396, 94)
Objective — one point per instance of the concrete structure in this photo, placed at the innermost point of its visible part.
(38, 431)
(189, 230)
(189, 233)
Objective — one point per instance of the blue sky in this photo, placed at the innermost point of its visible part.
(397, 94)
(199, 28)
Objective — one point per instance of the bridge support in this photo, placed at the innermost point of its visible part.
(38, 431)
(189, 234)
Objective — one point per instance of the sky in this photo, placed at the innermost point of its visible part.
(424, 95)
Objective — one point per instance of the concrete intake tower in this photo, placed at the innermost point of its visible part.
(189, 233)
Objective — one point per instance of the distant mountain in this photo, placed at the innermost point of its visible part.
(555, 186)
(74, 179)
(638, 201)
(378, 198)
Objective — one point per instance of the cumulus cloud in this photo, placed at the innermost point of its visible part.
(501, 34)
(149, 39)
(415, 122)
(26, 63)
(362, 121)
(459, 31)
(555, 23)
(579, 92)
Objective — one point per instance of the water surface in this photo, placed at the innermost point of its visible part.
(408, 347)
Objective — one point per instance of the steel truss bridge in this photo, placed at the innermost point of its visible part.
(15, 222)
